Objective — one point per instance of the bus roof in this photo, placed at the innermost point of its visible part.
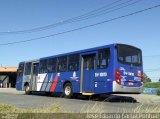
(76, 52)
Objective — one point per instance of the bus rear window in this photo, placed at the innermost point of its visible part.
(129, 55)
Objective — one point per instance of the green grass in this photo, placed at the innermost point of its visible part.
(52, 112)
(158, 92)
(152, 85)
(55, 111)
(55, 108)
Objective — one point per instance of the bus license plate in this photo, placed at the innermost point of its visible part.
(130, 83)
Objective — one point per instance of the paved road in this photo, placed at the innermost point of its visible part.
(145, 103)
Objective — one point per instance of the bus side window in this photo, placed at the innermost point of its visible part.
(20, 70)
(73, 64)
(51, 65)
(62, 63)
(35, 68)
(27, 68)
(103, 58)
(43, 67)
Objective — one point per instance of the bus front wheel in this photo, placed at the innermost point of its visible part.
(68, 91)
(27, 90)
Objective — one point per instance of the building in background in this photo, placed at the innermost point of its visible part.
(8, 77)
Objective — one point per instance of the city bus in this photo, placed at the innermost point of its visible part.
(114, 68)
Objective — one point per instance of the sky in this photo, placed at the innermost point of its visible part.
(141, 30)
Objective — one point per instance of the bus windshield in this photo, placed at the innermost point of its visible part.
(129, 55)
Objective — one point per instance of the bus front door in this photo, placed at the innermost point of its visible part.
(87, 72)
(35, 67)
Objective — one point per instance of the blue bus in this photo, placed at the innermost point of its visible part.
(115, 68)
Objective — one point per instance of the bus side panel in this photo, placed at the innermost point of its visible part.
(104, 77)
(19, 79)
(47, 82)
(64, 77)
(26, 79)
(58, 88)
(74, 78)
(50, 80)
(103, 80)
(76, 87)
(19, 83)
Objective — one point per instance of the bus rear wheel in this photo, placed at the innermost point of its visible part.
(68, 91)
(27, 90)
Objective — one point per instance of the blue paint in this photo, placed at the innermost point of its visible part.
(94, 80)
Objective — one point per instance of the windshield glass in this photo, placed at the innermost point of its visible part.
(129, 55)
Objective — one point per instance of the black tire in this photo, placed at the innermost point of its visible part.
(27, 90)
(68, 90)
(75, 95)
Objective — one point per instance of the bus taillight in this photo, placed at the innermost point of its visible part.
(118, 77)
(140, 74)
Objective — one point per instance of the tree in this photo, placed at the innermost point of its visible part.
(146, 78)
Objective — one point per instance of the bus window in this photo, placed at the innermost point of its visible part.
(89, 62)
(35, 68)
(51, 65)
(128, 59)
(73, 62)
(43, 66)
(62, 64)
(20, 69)
(28, 69)
(129, 55)
(103, 58)
(135, 59)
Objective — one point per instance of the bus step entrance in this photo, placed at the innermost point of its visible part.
(86, 93)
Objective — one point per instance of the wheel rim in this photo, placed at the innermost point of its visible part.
(67, 90)
(27, 88)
